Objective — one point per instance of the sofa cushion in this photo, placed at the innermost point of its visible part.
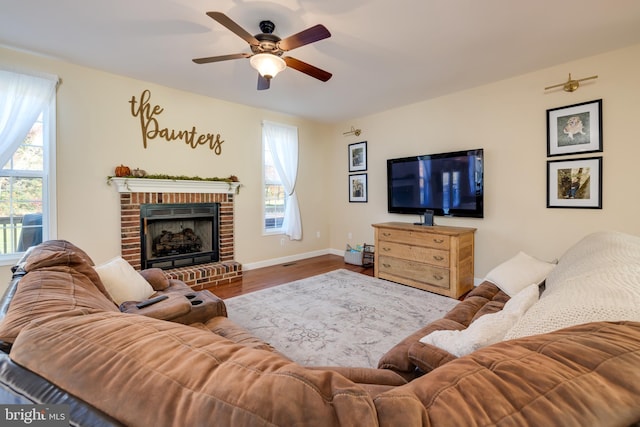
(583, 376)
(518, 272)
(230, 330)
(56, 253)
(59, 280)
(123, 282)
(174, 374)
(484, 299)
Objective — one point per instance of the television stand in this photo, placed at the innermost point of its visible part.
(426, 219)
(437, 258)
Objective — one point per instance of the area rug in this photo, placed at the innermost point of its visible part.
(340, 318)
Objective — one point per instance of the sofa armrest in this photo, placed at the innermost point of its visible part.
(428, 357)
(175, 306)
(156, 278)
(397, 358)
(204, 306)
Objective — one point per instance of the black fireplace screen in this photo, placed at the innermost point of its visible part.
(179, 235)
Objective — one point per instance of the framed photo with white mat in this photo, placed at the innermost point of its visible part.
(574, 129)
(575, 183)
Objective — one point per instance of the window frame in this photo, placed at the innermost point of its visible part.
(48, 174)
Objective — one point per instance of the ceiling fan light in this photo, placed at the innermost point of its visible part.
(267, 64)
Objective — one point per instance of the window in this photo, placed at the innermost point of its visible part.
(274, 195)
(27, 172)
(280, 170)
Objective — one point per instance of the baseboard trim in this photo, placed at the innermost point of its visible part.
(284, 260)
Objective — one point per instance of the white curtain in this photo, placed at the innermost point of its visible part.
(282, 142)
(22, 99)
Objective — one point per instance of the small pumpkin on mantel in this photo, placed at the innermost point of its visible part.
(123, 170)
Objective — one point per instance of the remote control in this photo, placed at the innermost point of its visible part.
(151, 301)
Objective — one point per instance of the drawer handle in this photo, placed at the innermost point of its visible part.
(386, 265)
(386, 234)
(438, 240)
(386, 249)
(438, 277)
(438, 258)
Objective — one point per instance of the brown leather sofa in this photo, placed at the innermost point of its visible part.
(68, 342)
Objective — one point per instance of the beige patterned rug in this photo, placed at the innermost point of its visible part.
(340, 318)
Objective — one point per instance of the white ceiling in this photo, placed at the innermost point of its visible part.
(382, 54)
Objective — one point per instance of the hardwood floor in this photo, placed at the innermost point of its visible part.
(262, 278)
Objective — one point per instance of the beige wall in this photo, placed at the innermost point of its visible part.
(508, 120)
(96, 132)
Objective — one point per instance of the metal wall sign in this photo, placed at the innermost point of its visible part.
(151, 128)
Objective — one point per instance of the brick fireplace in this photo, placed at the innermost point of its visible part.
(135, 192)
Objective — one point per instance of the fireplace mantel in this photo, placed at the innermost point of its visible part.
(147, 185)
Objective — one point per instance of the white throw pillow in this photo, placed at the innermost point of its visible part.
(123, 282)
(485, 330)
(518, 272)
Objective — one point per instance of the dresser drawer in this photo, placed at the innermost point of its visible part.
(419, 272)
(415, 238)
(437, 257)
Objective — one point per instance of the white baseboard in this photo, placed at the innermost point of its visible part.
(339, 252)
(291, 258)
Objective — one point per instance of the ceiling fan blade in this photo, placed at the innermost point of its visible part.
(223, 19)
(221, 58)
(308, 69)
(263, 83)
(304, 37)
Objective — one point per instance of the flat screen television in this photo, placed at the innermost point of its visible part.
(449, 184)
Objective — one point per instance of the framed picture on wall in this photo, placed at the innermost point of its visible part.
(358, 156)
(575, 183)
(574, 129)
(358, 188)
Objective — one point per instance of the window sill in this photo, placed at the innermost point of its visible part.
(10, 259)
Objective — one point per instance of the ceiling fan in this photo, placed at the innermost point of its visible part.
(267, 50)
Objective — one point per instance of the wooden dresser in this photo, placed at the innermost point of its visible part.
(437, 259)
